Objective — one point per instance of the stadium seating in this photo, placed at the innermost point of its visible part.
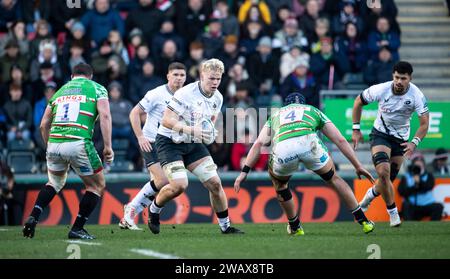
(121, 166)
(354, 81)
(120, 147)
(21, 156)
(22, 162)
(21, 145)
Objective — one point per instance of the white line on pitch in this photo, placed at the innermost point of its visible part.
(4, 230)
(151, 253)
(83, 242)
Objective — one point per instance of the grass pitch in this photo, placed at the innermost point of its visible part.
(261, 241)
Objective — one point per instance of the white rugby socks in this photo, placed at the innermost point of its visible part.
(144, 197)
(155, 209)
(224, 220)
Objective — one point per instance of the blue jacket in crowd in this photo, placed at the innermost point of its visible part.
(394, 44)
(421, 196)
(99, 25)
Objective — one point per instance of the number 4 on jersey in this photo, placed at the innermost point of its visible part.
(290, 116)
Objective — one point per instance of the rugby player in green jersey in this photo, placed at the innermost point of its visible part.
(292, 129)
(67, 127)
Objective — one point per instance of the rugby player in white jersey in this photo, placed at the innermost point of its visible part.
(152, 105)
(180, 144)
(397, 101)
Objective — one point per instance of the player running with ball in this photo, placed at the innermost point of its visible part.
(293, 132)
(179, 144)
(153, 105)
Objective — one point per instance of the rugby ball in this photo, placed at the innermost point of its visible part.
(208, 128)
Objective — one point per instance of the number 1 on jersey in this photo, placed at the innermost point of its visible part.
(67, 112)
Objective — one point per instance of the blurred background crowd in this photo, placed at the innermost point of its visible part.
(269, 47)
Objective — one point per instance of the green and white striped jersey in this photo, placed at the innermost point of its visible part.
(74, 110)
(296, 120)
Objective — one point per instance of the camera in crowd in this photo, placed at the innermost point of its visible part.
(416, 170)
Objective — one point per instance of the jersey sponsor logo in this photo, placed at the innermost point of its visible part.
(71, 91)
(387, 100)
(72, 125)
(387, 110)
(323, 158)
(290, 159)
(53, 154)
(408, 102)
(70, 98)
(196, 116)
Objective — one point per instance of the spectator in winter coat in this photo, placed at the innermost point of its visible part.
(384, 37)
(380, 70)
(329, 67)
(291, 35)
(262, 67)
(353, 47)
(12, 57)
(147, 18)
(290, 59)
(191, 19)
(101, 20)
(19, 115)
(301, 80)
(167, 32)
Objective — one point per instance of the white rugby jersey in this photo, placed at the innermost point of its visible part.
(395, 111)
(192, 105)
(154, 103)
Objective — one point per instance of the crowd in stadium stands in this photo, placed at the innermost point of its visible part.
(270, 48)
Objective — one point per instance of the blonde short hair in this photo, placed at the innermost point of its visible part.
(214, 65)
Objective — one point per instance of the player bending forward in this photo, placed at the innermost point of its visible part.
(294, 129)
(153, 105)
